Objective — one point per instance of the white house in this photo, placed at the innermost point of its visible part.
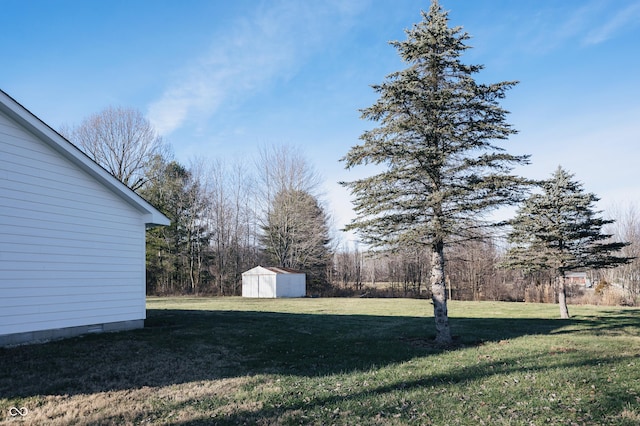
(72, 237)
(273, 282)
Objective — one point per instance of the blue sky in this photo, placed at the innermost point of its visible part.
(219, 79)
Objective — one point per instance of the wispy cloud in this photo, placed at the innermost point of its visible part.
(629, 16)
(252, 52)
(548, 29)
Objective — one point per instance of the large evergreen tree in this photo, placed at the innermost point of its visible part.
(296, 235)
(559, 230)
(175, 252)
(435, 137)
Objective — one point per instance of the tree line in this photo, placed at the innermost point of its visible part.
(423, 214)
(225, 219)
(478, 271)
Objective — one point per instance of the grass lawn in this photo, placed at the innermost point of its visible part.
(335, 361)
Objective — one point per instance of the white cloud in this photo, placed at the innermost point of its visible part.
(549, 29)
(629, 16)
(248, 54)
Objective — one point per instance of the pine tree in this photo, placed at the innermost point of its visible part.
(559, 230)
(296, 235)
(436, 127)
(175, 252)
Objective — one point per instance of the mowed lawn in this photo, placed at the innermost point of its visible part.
(335, 361)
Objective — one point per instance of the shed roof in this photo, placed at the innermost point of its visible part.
(273, 269)
(282, 270)
(33, 124)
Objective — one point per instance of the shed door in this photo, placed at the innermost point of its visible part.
(250, 285)
(267, 287)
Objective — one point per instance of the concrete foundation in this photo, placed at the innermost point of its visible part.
(41, 336)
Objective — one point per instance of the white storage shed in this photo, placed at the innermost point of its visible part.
(272, 282)
(72, 237)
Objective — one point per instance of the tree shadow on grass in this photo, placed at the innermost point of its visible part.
(180, 346)
(275, 412)
(613, 322)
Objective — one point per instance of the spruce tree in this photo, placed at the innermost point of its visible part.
(559, 230)
(441, 170)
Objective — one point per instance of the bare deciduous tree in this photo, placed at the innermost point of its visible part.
(626, 228)
(231, 220)
(296, 235)
(472, 268)
(294, 223)
(121, 140)
(284, 168)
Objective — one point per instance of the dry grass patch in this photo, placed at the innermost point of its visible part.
(156, 405)
(631, 415)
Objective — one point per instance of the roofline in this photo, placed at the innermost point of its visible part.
(283, 270)
(277, 270)
(55, 140)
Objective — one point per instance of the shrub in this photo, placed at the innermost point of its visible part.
(602, 286)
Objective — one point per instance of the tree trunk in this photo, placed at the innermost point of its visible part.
(439, 295)
(562, 298)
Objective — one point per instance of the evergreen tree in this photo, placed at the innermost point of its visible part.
(296, 235)
(436, 127)
(176, 252)
(559, 230)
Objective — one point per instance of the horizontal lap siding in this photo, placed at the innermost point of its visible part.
(71, 251)
(291, 285)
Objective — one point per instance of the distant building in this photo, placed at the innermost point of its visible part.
(578, 278)
(272, 282)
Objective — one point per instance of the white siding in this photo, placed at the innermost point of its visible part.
(291, 285)
(250, 285)
(71, 251)
(267, 286)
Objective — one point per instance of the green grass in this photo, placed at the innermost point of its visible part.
(335, 361)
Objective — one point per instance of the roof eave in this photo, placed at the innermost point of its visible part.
(33, 124)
